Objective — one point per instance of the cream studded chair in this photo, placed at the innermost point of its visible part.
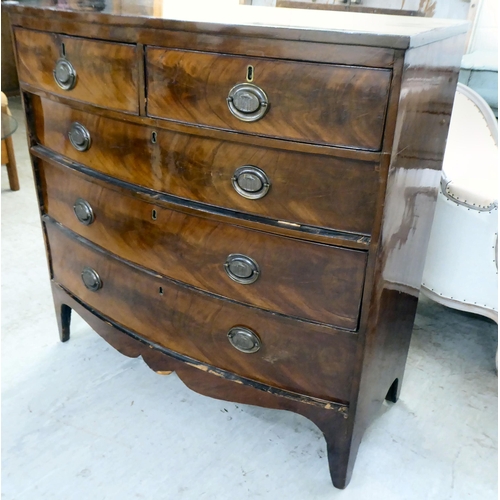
(461, 269)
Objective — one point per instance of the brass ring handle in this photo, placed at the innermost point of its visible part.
(242, 269)
(83, 211)
(64, 74)
(91, 279)
(79, 137)
(247, 102)
(244, 339)
(250, 182)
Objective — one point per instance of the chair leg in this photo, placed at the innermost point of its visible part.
(11, 165)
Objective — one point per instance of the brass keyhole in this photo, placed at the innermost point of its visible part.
(250, 73)
(154, 214)
(153, 137)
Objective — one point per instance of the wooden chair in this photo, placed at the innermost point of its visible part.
(8, 158)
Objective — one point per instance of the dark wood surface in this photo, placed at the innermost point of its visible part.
(309, 189)
(213, 133)
(428, 85)
(345, 28)
(338, 105)
(300, 279)
(106, 72)
(292, 354)
(373, 57)
(331, 419)
(283, 228)
(418, 93)
(10, 80)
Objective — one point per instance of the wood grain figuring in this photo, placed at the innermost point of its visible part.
(353, 143)
(196, 324)
(306, 189)
(106, 72)
(252, 21)
(330, 278)
(372, 57)
(332, 423)
(342, 106)
(206, 132)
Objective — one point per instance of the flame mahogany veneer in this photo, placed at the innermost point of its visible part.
(241, 202)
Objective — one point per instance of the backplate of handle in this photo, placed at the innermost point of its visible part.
(91, 279)
(79, 136)
(247, 102)
(242, 269)
(64, 74)
(244, 339)
(250, 182)
(83, 211)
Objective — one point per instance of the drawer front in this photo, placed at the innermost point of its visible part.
(308, 359)
(318, 103)
(301, 279)
(304, 188)
(100, 73)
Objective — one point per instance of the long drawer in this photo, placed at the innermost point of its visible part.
(304, 188)
(292, 355)
(318, 103)
(305, 280)
(102, 73)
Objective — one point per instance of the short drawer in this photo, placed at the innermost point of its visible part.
(317, 103)
(309, 189)
(301, 279)
(100, 73)
(292, 355)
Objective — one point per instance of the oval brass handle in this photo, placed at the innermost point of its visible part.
(83, 211)
(64, 74)
(251, 182)
(247, 102)
(79, 137)
(244, 339)
(91, 279)
(241, 268)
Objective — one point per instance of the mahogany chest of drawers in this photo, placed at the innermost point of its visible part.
(240, 201)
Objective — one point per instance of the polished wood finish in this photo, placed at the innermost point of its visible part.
(128, 296)
(342, 106)
(330, 278)
(336, 378)
(373, 57)
(109, 67)
(330, 418)
(292, 230)
(305, 188)
(248, 22)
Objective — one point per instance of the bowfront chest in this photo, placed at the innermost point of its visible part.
(243, 197)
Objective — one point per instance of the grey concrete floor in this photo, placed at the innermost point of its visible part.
(80, 421)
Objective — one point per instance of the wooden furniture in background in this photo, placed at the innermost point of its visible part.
(241, 202)
(9, 125)
(10, 81)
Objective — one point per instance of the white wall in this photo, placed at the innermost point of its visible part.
(485, 34)
(457, 9)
